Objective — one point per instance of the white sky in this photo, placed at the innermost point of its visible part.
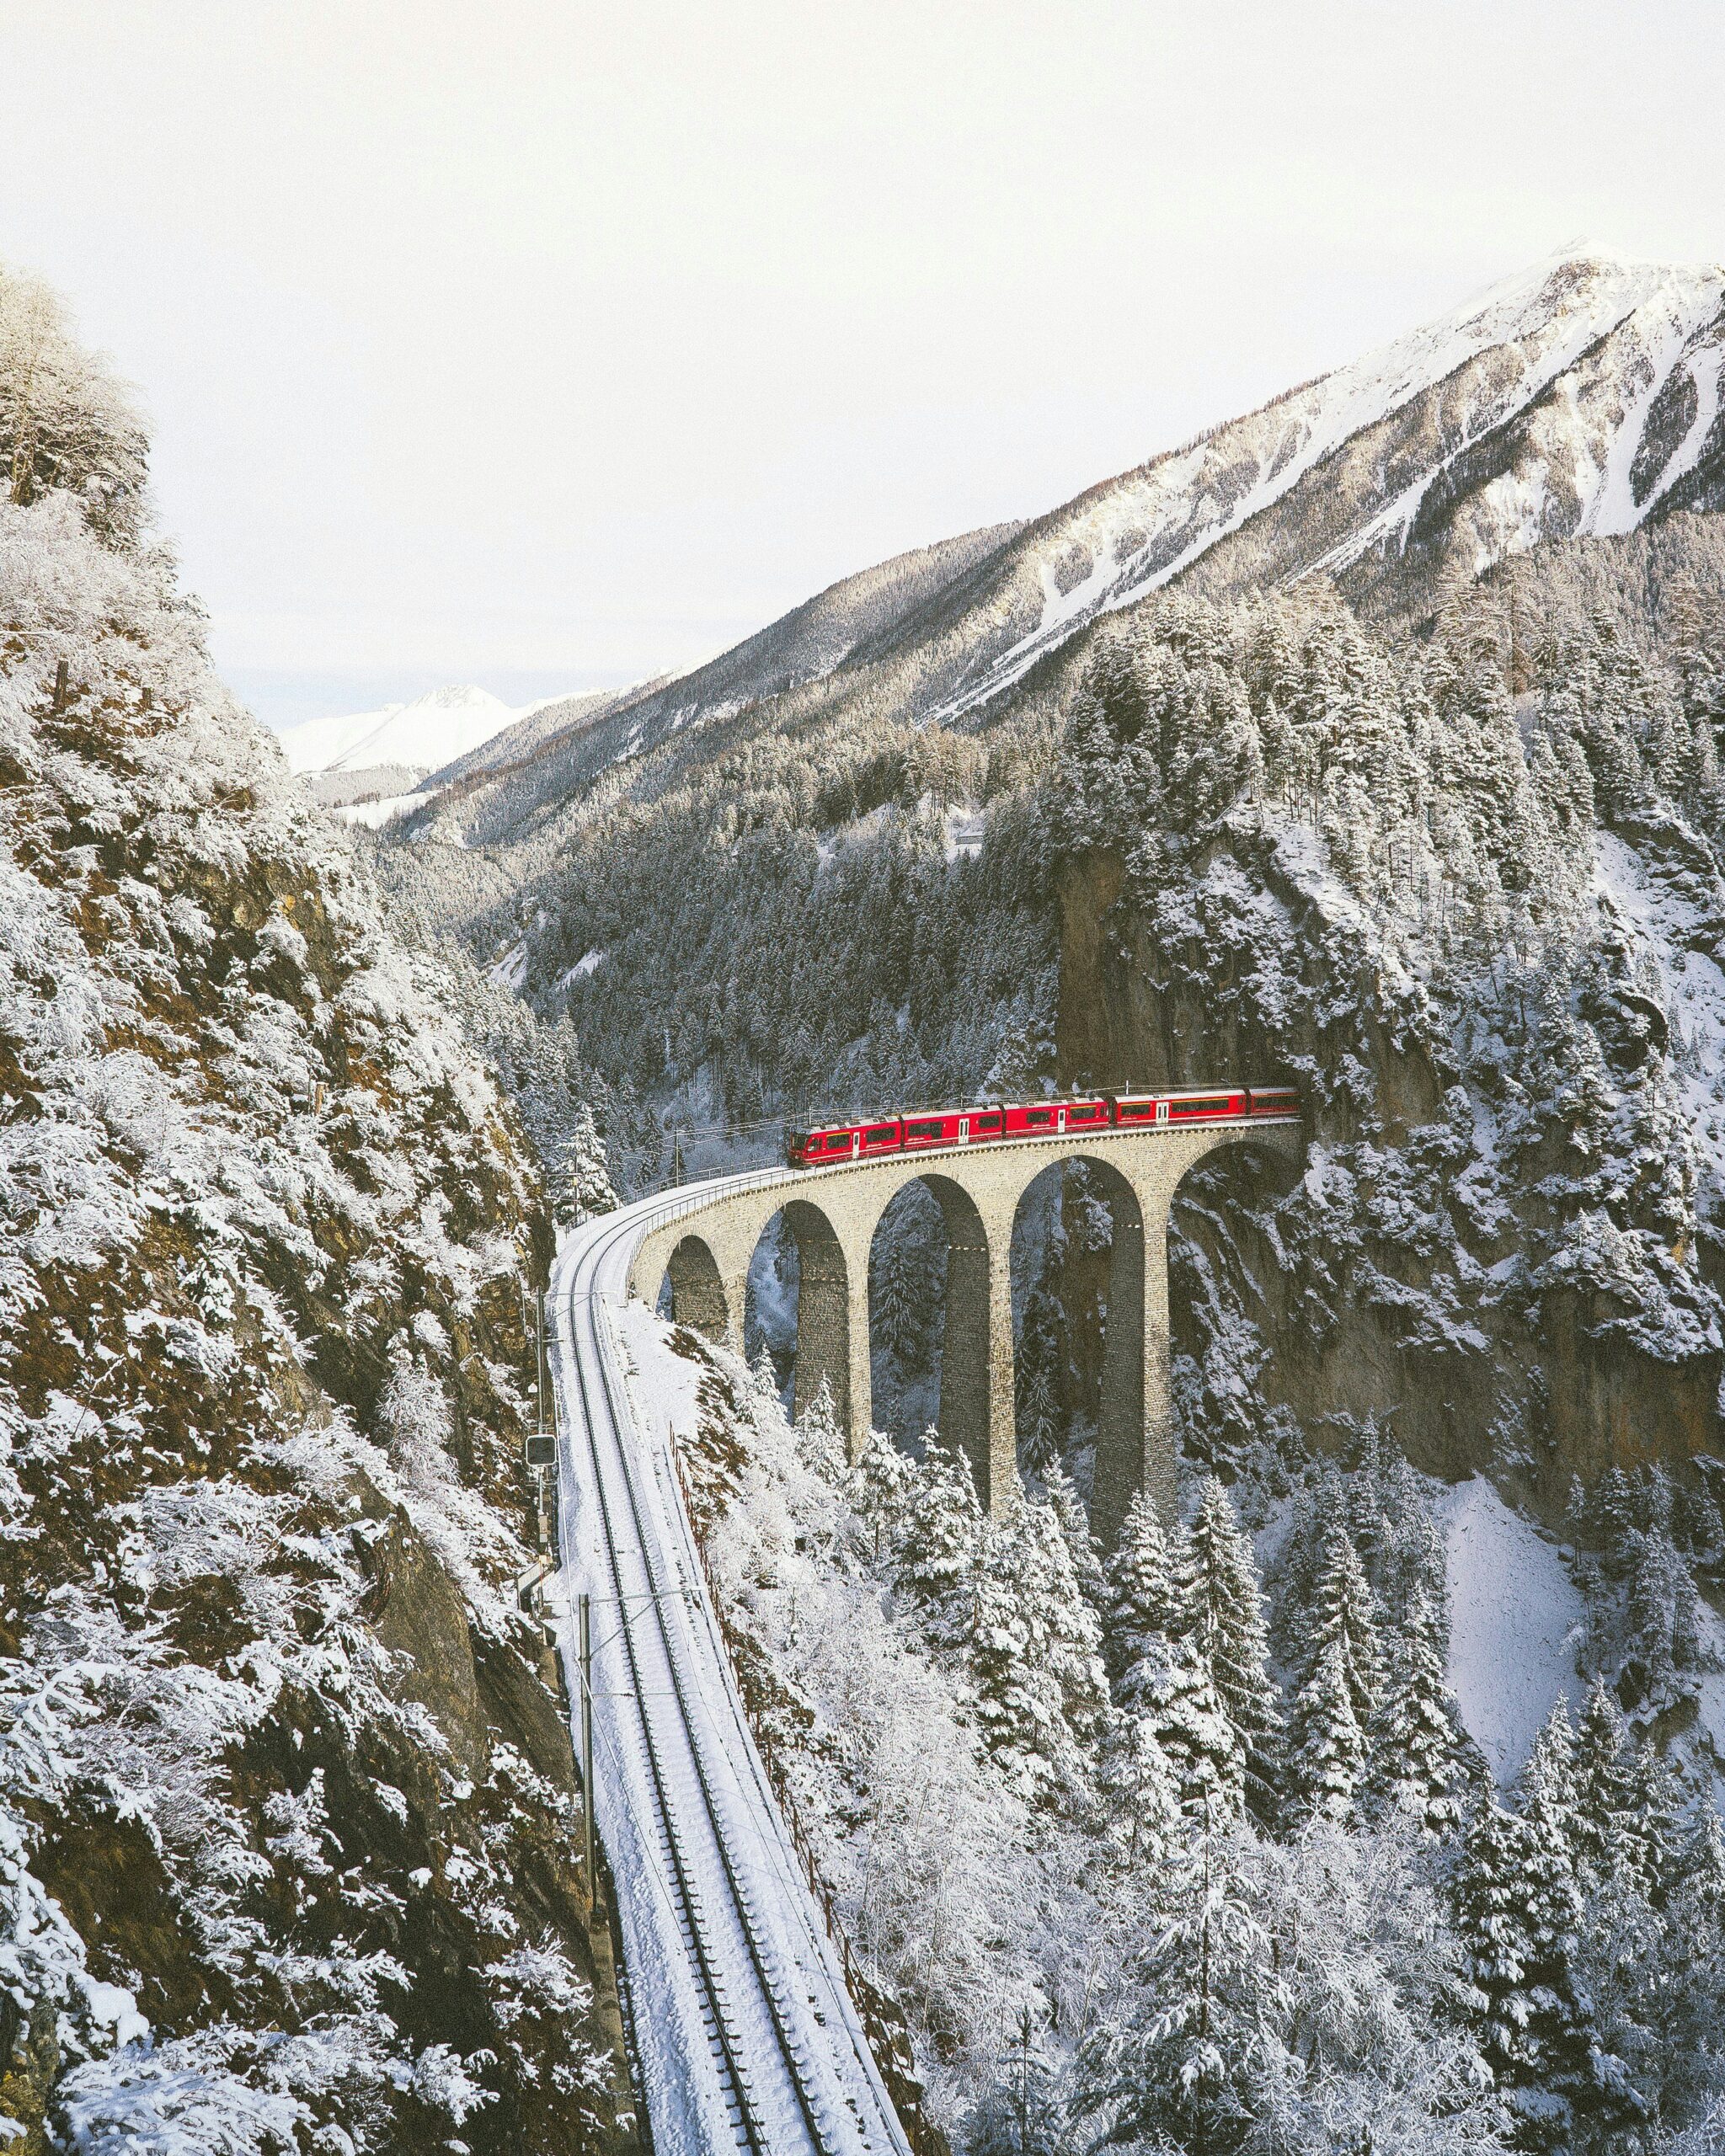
(548, 345)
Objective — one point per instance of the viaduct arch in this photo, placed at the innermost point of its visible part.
(833, 1213)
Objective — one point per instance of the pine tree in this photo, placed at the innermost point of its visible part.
(1142, 1623)
(1546, 1788)
(1516, 1914)
(1329, 1744)
(1223, 1627)
(881, 1484)
(1081, 1543)
(896, 1314)
(1140, 1789)
(819, 1437)
(942, 1534)
(1337, 1700)
(1416, 1741)
(1654, 1822)
(1032, 1647)
(1602, 1787)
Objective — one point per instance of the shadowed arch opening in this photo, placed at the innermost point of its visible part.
(696, 1288)
(1078, 1312)
(1235, 1349)
(953, 1273)
(799, 1307)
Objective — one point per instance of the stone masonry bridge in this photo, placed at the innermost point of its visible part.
(833, 1213)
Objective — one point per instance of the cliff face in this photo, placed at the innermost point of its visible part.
(1497, 987)
(286, 1802)
(1564, 1396)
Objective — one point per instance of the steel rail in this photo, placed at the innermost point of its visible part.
(733, 2082)
(719, 2019)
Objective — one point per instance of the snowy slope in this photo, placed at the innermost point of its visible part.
(1514, 1619)
(1581, 397)
(421, 736)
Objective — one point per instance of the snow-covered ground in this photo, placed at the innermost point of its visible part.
(1515, 1619)
(1676, 924)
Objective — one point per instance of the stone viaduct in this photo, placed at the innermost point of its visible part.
(833, 1213)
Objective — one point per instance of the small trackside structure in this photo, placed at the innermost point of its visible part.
(833, 1211)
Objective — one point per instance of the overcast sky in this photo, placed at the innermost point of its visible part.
(551, 345)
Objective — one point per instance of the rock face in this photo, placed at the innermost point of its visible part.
(1507, 1240)
(1587, 1401)
(288, 1811)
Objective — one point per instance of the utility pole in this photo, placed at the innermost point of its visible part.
(584, 1619)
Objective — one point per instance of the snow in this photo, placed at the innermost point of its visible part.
(424, 736)
(374, 814)
(1542, 320)
(1677, 928)
(510, 970)
(1515, 1618)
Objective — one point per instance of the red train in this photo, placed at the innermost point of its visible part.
(994, 1121)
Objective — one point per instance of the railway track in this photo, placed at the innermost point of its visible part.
(746, 2036)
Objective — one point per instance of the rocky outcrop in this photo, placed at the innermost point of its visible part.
(289, 1823)
(1312, 1310)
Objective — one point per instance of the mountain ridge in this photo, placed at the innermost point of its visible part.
(1579, 397)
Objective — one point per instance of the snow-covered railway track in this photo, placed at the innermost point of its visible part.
(747, 2038)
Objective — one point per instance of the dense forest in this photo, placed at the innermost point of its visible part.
(1188, 1848)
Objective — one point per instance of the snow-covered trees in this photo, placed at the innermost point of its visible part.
(1336, 1703)
(66, 423)
(1226, 1639)
(265, 1225)
(1434, 1966)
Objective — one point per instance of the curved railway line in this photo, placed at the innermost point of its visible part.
(746, 2036)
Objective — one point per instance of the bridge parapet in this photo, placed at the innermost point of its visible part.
(833, 1213)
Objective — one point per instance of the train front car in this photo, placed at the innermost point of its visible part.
(824, 1147)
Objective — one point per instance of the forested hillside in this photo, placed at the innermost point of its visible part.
(1191, 1850)
(286, 1804)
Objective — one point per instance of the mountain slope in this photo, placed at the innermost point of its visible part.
(432, 730)
(1580, 398)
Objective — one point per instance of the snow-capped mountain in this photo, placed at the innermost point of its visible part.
(421, 736)
(1580, 398)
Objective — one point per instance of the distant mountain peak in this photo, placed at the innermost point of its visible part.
(419, 736)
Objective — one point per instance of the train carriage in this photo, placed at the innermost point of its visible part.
(941, 1129)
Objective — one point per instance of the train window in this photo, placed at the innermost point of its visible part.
(880, 1133)
(1085, 1114)
(922, 1130)
(987, 1122)
(1142, 1109)
(1038, 1116)
(1198, 1107)
(838, 1141)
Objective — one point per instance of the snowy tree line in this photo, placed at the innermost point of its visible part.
(1185, 1850)
(1376, 868)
